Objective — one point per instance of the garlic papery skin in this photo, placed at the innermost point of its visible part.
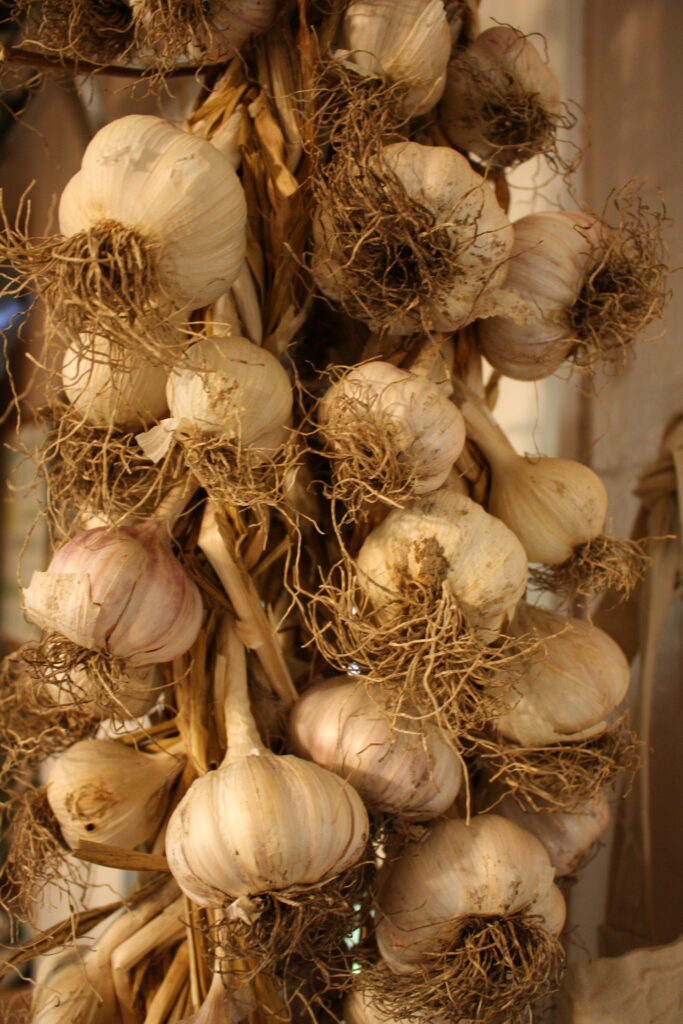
(403, 41)
(261, 822)
(107, 792)
(176, 191)
(487, 867)
(552, 505)
(232, 388)
(501, 101)
(119, 590)
(359, 1008)
(568, 686)
(224, 1004)
(69, 991)
(113, 388)
(567, 837)
(552, 256)
(446, 539)
(393, 763)
(432, 247)
(422, 427)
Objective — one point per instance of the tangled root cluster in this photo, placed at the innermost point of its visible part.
(561, 777)
(605, 563)
(626, 289)
(99, 31)
(491, 972)
(98, 471)
(419, 650)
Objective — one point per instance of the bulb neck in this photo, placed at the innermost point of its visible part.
(242, 735)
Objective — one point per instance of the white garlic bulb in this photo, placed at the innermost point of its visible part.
(566, 836)
(110, 388)
(395, 765)
(403, 41)
(233, 388)
(489, 866)
(501, 101)
(569, 686)
(107, 792)
(552, 505)
(176, 191)
(552, 256)
(454, 280)
(446, 538)
(260, 822)
(119, 590)
(422, 427)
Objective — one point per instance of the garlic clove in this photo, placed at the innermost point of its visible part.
(403, 41)
(577, 678)
(447, 539)
(106, 792)
(108, 388)
(394, 763)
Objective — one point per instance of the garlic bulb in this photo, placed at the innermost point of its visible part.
(109, 388)
(197, 30)
(501, 101)
(359, 1008)
(106, 792)
(260, 822)
(447, 539)
(119, 590)
(395, 765)
(489, 866)
(568, 688)
(224, 1003)
(552, 505)
(421, 426)
(434, 246)
(566, 836)
(403, 41)
(175, 198)
(229, 386)
(552, 258)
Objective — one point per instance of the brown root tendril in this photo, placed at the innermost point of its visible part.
(420, 651)
(626, 289)
(99, 31)
(609, 563)
(175, 29)
(561, 777)
(491, 972)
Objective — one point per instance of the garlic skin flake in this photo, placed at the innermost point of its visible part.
(576, 679)
(394, 765)
(120, 590)
(107, 792)
(177, 191)
(403, 41)
(501, 101)
(567, 837)
(422, 426)
(489, 866)
(550, 260)
(454, 275)
(113, 388)
(447, 539)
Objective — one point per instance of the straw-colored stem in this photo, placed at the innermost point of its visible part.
(158, 934)
(255, 630)
(169, 990)
(231, 678)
